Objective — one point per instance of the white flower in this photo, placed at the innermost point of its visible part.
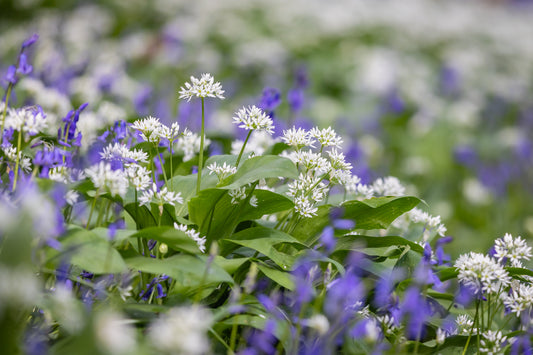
(189, 144)
(304, 208)
(253, 118)
(389, 186)
(237, 195)
(326, 137)
(440, 336)
(258, 144)
(313, 162)
(298, 138)
(138, 177)
(318, 322)
(150, 128)
(103, 177)
(464, 324)
(182, 330)
(115, 335)
(60, 174)
(512, 249)
(170, 133)
(160, 196)
(481, 273)
(337, 160)
(203, 87)
(194, 235)
(11, 153)
(222, 171)
(71, 197)
(520, 299)
(491, 343)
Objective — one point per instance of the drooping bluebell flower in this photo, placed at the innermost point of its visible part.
(11, 75)
(29, 41)
(328, 239)
(270, 99)
(296, 98)
(383, 293)
(262, 341)
(154, 285)
(417, 311)
(24, 68)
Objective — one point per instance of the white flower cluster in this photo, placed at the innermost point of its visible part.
(481, 273)
(160, 196)
(138, 177)
(388, 186)
(464, 324)
(253, 118)
(431, 223)
(150, 128)
(258, 144)
(194, 235)
(182, 330)
(239, 194)
(11, 153)
(492, 342)
(221, 171)
(512, 249)
(297, 138)
(103, 177)
(203, 87)
(28, 119)
(121, 152)
(520, 299)
(327, 137)
(189, 144)
(115, 334)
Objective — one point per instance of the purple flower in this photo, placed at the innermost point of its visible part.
(31, 40)
(328, 239)
(11, 75)
(24, 67)
(270, 100)
(295, 98)
(416, 309)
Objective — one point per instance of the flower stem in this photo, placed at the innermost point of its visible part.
(242, 149)
(201, 153)
(472, 329)
(92, 208)
(19, 153)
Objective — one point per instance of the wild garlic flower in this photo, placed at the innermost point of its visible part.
(118, 151)
(222, 171)
(60, 174)
(138, 177)
(431, 223)
(337, 160)
(481, 273)
(318, 322)
(326, 137)
(440, 336)
(388, 186)
(170, 133)
(194, 235)
(512, 249)
(71, 197)
(307, 185)
(464, 324)
(182, 330)
(492, 342)
(114, 333)
(103, 177)
(237, 195)
(189, 144)
(520, 299)
(31, 120)
(314, 163)
(203, 87)
(253, 118)
(11, 154)
(297, 138)
(304, 207)
(258, 144)
(150, 128)
(160, 196)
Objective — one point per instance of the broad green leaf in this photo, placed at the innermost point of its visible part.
(261, 167)
(517, 271)
(217, 217)
(263, 240)
(119, 234)
(186, 270)
(447, 273)
(230, 265)
(175, 239)
(408, 261)
(90, 252)
(280, 277)
(308, 230)
(351, 242)
(378, 212)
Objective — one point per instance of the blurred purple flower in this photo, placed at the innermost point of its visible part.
(270, 99)
(31, 40)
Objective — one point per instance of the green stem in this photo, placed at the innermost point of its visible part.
(472, 329)
(298, 330)
(92, 208)
(19, 153)
(162, 166)
(233, 338)
(242, 149)
(171, 169)
(8, 94)
(201, 153)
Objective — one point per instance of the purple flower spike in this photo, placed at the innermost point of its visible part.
(270, 100)
(11, 75)
(24, 67)
(31, 40)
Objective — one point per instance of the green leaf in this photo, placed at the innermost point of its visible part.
(186, 270)
(175, 239)
(447, 273)
(261, 167)
(308, 230)
(230, 265)
(90, 252)
(517, 271)
(217, 217)
(378, 212)
(280, 277)
(351, 242)
(263, 240)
